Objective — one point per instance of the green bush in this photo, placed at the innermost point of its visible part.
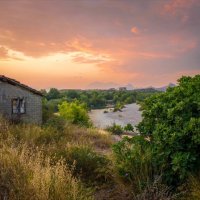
(133, 161)
(118, 106)
(128, 127)
(115, 129)
(75, 113)
(49, 108)
(172, 121)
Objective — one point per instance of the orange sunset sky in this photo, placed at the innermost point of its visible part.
(99, 43)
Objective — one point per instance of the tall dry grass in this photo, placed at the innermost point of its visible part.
(28, 175)
(26, 167)
(193, 186)
(47, 163)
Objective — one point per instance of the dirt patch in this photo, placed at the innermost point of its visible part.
(113, 192)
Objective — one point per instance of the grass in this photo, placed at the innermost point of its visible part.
(70, 162)
(49, 163)
(46, 135)
(193, 187)
(30, 175)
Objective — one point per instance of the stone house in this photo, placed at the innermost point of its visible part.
(19, 102)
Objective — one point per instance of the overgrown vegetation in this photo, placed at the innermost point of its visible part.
(115, 129)
(169, 144)
(118, 107)
(95, 99)
(30, 175)
(172, 122)
(49, 163)
(67, 159)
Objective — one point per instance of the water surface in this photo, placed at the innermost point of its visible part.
(130, 114)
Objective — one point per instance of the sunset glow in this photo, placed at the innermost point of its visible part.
(76, 44)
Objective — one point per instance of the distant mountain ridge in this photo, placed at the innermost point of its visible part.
(102, 85)
(128, 86)
(108, 85)
(164, 88)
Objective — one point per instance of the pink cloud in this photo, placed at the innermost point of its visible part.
(182, 44)
(135, 30)
(175, 6)
(165, 43)
(3, 53)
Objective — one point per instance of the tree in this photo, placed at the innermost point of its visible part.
(44, 92)
(53, 94)
(172, 122)
(49, 108)
(118, 107)
(75, 112)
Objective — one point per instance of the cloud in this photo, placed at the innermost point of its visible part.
(3, 53)
(7, 54)
(89, 58)
(135, 30)
(175, 7)
(180, 8)
(99, 34)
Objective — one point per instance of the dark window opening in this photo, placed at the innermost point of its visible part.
(18, 106)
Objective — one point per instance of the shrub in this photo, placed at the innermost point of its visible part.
(133, 161)
(115, 129)
(171, 120)
(75, 112)
(49, 108)
(128, 127)
(118, 106)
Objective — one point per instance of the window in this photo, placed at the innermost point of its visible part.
(18, 106)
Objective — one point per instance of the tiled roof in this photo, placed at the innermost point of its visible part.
(17, 83)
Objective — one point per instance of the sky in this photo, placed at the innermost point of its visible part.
(84, 44)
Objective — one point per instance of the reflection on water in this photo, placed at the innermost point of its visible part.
(130, 114)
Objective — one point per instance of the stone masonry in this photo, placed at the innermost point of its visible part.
(33, 102)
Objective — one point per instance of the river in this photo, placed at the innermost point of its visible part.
(130, 114)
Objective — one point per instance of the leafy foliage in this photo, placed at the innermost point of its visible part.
(115, 129)
(49, 108)
(99, 98)
(172, 121)
(53, 94)
(118, 107)
(129, 127)
(133, 160)
(75, 112)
